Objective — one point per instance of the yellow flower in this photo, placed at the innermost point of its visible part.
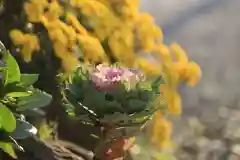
(92, 49)
(181, 55)
(161, 131)
(121, 43)
(172, 98)
(148, 68)
(53, 24)
(58, 35)
(54, 11)
(69, 63)
(174, 104)
(17, 37)
(72, 20)
(34, 11)
(60, 49)
(164, 54)
(28, 42)
(106, 3)
(43, 3)
(70, 34)
(98, 17)
(126, 9)
(29, 46)
(193, 74)
(147, 33)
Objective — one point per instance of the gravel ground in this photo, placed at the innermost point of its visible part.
(210, 32)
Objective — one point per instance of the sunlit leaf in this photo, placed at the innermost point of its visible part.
(36, 100)
(18, 94)
(28, 79)
(7, 119)
(13, 71)
(23, 130)
(8, 148)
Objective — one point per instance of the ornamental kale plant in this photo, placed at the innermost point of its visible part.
(18, 98)
(112, 95)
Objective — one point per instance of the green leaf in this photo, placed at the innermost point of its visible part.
(156, 82)
(8, 148)
(115, 118)
(7, 119)
(19, 94)
(28, 79)
(141, 117)
(36, 113)
(13, 71)
(145, 86)
(136, 105)
(23, 130)
(112, 107)
(14, 87)
(36, 100)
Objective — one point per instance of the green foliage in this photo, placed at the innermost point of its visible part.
(12, 73)
(125, 105)
(17, 95)
(28, 79)
(35, 100)
(8, 148)
(7, 119)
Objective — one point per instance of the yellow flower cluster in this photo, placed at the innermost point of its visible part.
(29, 43)
(126, 9)
(66, 36)
(161, 131)
(126, 32)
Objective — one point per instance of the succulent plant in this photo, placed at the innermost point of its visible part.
(112, 94)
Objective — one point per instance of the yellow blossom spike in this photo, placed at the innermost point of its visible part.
(121, 43)
(180, 53)
(33, 11)
(147, 33)
(69, 63)
(43, 3)
(94, 54)
(57, 35)
(126, 9)
(54, 11)
(193, 73)
(72, 20)
(98, 17)
(148, 68)
(59, 49)
(30, 45)
(161, 130)
(164, 53)
(17, 37)
(174, 104)
(70, 33)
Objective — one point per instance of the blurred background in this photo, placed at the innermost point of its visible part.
(209, 30)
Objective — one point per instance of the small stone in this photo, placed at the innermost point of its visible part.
(202, 142)
(135, 149)
(236, 149)
(223, 112)
(202, 156)
(217, 145)
(232, 129)
(196, 126)
(233, 157)
(184, 156)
